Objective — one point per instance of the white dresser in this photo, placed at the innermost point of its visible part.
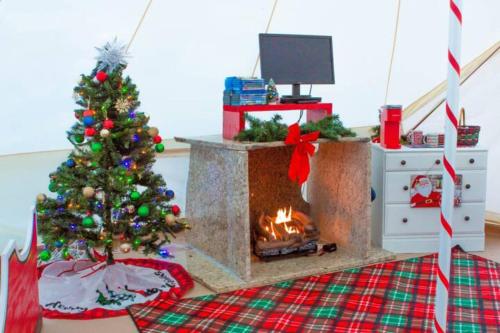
(399, 228)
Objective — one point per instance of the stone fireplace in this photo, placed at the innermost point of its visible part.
(245, 213)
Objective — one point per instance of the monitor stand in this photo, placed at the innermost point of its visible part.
(296, 97)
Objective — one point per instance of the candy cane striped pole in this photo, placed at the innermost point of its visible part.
(450, 146)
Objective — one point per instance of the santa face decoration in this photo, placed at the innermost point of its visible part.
(426, 191)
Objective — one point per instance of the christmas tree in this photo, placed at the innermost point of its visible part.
(272, 95)
(107, 193)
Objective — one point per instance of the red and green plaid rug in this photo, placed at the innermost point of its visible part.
(387, 297)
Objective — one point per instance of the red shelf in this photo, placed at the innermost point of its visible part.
(277, 107)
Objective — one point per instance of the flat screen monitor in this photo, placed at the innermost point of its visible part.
(296, 59)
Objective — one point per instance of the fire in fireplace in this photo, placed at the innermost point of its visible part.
(288, 233)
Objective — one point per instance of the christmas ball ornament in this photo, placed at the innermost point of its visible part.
(176, 210)
(88, 121)
(137, 242)
(65, 254)
(124, 90)
(125, 247)
(88, 113)
(169, 194)
(96, 147)
(88, 222)
(163, 252)
(70, 163)
(44, 255)
(101, 76)
(153, 131)
(40, 198)
(130, 209)
(89, 131)
(52, 187)
(79, 138)
(159, 148)
(157, 139)
(163, 213)
(88, 192)
(143, 211)
(170, 219)
(104, 133)
(58, 244)
(135, 196)
(108, 124)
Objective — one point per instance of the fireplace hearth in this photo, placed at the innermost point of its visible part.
(244, 212)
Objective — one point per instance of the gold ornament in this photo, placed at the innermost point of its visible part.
(130, 209)
(104, 133)
(153, 131)
(122, 105)
(170, 219)
(40, 198)
(125, 247)
(88, 192)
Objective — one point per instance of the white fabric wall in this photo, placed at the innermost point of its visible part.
(186, 48)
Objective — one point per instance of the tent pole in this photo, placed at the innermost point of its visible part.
(450, 147)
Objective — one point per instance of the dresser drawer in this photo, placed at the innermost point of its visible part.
(398, 185)
(402, 220)
(432, 161)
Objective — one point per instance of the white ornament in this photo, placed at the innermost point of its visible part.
(125, 247)
(104, 133)
(170, 219)
(88, 192)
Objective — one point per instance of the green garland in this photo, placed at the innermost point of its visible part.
(274, 130)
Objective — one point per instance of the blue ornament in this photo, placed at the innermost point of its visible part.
(136, 137)
(70, 163)
(73, 227)
(99, 205)
(131, 115)
(126, 163)
(88, 121)
(58, 244)
(137, 226)
(163, 252)
(82, 242)
(170, 194)
(60, 210)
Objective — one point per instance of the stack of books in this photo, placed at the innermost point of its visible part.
(244, 91)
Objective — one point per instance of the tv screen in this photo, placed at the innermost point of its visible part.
(289, 59)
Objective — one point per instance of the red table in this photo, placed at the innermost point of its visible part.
(234, 115)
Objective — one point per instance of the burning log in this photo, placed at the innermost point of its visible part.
(288, 232)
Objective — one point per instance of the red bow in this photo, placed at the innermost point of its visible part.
(299, 165)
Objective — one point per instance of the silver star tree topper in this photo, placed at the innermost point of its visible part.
(111, 55)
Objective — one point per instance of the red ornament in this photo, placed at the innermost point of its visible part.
(108, 124)
(157, 139)
(101, 76)
(89, 131)
(88, 113)
(77, 116)
(176, 210)
(299, 164)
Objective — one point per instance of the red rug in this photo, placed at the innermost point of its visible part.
(388, 297)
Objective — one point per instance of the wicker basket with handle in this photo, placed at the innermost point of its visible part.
(468, 136)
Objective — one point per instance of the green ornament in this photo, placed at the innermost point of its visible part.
(93, 164)
(163, 213)
(53, 187)
(108, 241)
(117, 204)
(137, 242)
(79, 138)
(130, 179)
(62, 240)
(124, 89)
(159, 148)
(41, 211)
(96, 147)
(122, 171)
(44, 255)
(88, 222)
(143, 211)
(135, 196)
(65, 253)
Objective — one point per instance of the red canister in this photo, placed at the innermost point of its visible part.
(390, 126)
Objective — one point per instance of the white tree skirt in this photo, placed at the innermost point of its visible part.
(77, 286)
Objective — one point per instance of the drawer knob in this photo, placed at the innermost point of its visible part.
(467, 186)
(467, 218)
(438, 162)
(403, 162)
(471, 161)
(405, 188)
(405, 219)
